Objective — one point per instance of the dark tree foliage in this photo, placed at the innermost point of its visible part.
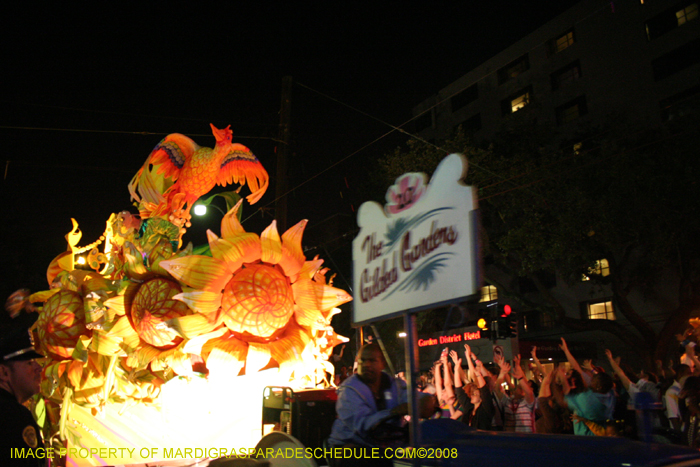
(628, 195)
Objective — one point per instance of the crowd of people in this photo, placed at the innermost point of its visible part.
(571, 397)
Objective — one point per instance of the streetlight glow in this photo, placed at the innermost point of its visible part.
(200, 209)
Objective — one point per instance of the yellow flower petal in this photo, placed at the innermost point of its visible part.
(195, 344)
(121, 304)
(287, 349)
(312, 295)
(230, 225)
(199, 272)
(201, 301)
(292, 254)
(190, 326)
(106, 344)
(133, 262)
(225, 354)
(258, 357)
(234, 251)
(75, 372)
(42, 296)
(310, 268)
(309, 317)
(271, 244)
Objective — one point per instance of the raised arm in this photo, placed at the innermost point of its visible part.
(570, 358)
(560, 377)
(524, 384)
(540, 368)
(503, 374)
(447, 375)
(437, 377)
(480, 381)
(546, 386)
(615, 364)
(460, 377)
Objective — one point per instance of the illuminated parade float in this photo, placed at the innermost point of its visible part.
(154, 351)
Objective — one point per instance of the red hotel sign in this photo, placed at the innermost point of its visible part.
(466, 336)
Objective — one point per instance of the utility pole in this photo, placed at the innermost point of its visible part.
(282, 153)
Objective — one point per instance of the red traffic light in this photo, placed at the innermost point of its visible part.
(506, 310)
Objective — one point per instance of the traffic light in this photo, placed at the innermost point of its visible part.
(484, 323)
(507, 321)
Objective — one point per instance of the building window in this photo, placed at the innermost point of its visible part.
(562, 42)
(571, 110)
(516, 101)
(520, 102)
(601, 268)
(546, 320)
(465, 97)
(687, 13)
(566, 75)
(488, 293)
(671, 19)
(601, 310)
(676, 60)
(513, 69)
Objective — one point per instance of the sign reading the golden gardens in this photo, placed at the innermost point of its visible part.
(421, 249)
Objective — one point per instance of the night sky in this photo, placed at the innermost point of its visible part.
(88, 92)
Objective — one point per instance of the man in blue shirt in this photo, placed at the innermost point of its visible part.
(369, 399)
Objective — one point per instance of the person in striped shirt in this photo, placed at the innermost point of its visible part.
(519, 407)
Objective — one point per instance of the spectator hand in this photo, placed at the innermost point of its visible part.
(608, 354)
(455, 357)
(505, 368)
(517, 369)
(533, 352)
(498, 359)
(467, 351)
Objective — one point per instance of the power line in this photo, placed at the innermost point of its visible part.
(124, 132)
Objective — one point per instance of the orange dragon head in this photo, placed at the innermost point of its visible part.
(222, 136)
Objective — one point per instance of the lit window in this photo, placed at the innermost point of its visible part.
(564, 41)
(601, 268)
(686, 14)
(488, 293)
(561, 43)
(520, 102)
(601, 310)
(671, 18)
(516, 101)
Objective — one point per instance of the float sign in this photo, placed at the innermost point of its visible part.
(420, 250)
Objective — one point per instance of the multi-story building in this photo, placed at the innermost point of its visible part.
(596, 61)
(599, 61)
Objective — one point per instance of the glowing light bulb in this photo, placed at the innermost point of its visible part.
(200, 209)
